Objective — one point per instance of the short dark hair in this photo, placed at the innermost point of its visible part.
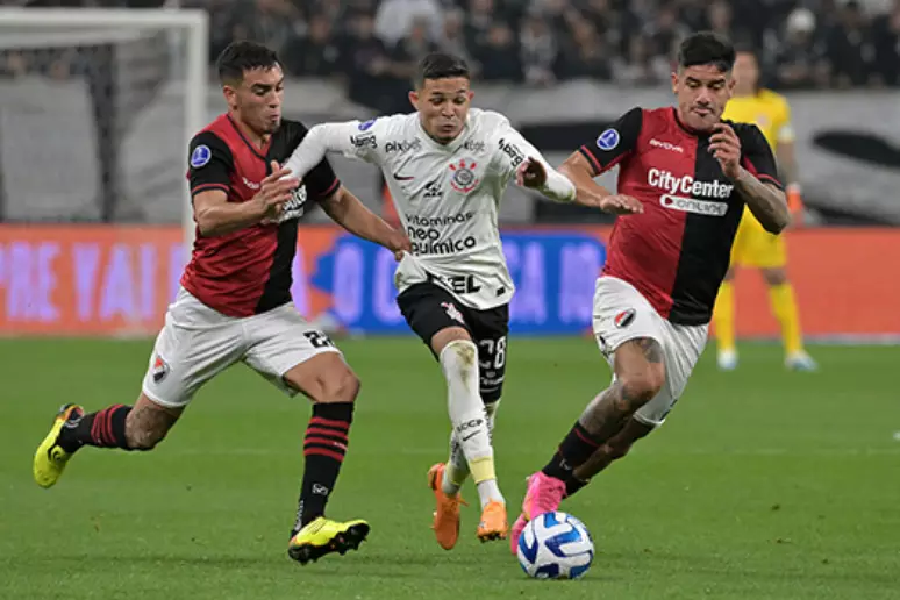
(441, 65)
(706, 48)
(242, 56)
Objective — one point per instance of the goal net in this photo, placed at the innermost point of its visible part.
(96, 110)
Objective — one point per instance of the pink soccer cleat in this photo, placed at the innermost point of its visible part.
(543, 496)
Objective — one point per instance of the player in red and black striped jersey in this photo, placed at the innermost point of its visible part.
(235, 301)
(692, 173)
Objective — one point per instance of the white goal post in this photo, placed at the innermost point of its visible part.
(151, 66)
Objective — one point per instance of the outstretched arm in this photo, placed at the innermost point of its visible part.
(351, 138)
(349, 212)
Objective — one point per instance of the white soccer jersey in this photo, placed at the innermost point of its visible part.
(447, 195)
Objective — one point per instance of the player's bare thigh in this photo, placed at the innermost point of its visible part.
(640, 368)
(442, 338)
(148, 423)
(325, 378)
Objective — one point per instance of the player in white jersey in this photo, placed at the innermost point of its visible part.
(447, 167)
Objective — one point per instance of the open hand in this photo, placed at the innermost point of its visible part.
(616, 204)
(725, 146)
(531, 174)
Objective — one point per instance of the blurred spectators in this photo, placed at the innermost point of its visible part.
(373, 45)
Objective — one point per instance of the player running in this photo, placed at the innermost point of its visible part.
(235, 303)
(446, 166)
(693, 173)
(754, 246)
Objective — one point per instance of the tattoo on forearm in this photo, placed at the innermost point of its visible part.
(767, 203)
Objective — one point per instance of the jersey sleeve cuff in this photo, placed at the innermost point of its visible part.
(329, 190)
(206, 187)
(598, 168)
(770, 180)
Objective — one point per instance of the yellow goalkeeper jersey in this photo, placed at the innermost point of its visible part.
(768, 110)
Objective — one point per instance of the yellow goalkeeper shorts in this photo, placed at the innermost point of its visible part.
(756, 247)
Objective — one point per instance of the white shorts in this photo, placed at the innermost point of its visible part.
(621, 313)
(197, 343)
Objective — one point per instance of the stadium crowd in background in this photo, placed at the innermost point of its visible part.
(375, 44)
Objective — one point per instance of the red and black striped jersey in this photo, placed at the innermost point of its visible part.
(248, 271)
(677, 252)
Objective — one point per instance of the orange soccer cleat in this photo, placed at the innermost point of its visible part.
(446, 510)
(493, 522)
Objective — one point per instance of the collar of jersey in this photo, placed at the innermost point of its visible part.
(452, 146)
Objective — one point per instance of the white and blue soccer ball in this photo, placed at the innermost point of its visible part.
(555, 546)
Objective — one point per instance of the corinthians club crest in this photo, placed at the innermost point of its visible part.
(463, 176)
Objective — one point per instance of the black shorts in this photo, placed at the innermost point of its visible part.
(429, 308)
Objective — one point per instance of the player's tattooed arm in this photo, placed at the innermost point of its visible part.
(349, 212)
(767, 203)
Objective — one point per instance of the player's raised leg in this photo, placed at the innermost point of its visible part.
(784, 307)
(138, 427)
(183, 359)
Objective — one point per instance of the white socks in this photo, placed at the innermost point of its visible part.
(471, 435)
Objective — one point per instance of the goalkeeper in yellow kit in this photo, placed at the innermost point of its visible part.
(754, 246)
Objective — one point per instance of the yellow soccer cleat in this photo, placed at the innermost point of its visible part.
(49, 459)
(323, 536)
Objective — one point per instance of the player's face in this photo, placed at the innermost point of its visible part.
(443, 105)
(257, 99)
(746, 73)
(702, 92)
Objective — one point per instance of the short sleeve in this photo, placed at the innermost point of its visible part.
(210, 163)
(757, 155)
(321, 182)
(615, 142)
(511, 149)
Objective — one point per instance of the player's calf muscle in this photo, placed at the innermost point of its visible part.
(148, 423)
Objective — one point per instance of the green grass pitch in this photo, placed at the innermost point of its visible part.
(762, 484)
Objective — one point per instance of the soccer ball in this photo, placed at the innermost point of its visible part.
(555, 546)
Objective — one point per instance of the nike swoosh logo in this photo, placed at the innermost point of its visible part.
(402, 178)
(470, 436)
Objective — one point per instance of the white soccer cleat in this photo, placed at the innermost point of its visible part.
(727, 360)
(800, 361)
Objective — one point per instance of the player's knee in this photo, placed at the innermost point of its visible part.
(641, 385)
(342, 386)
